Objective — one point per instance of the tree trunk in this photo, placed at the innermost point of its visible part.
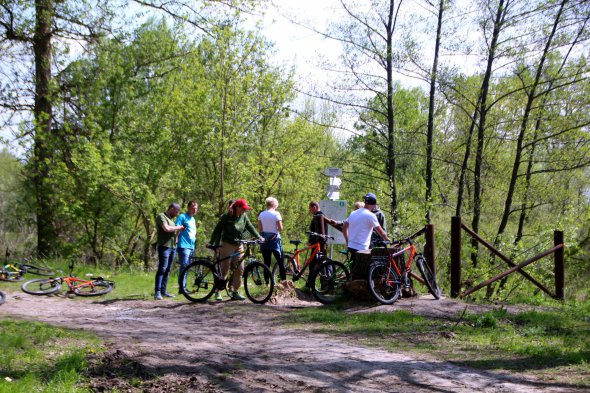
(430, 130)
(477, 183)
(42, 151)
(391, 161)
(531, 96)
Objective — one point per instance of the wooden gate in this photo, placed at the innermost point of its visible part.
(558, 250)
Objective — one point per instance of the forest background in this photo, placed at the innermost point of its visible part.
(124, 106)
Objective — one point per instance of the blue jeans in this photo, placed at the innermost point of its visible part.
(165, 261)
(184, 257)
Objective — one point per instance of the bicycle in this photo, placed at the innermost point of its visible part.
(389, 274)
(16, 272)
(292, 260)
(203, 276)
(11, 273)
(95, 286)
(329, 281)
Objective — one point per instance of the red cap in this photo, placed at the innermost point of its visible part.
(242, 203)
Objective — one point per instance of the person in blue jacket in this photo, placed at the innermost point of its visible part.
(187, 239)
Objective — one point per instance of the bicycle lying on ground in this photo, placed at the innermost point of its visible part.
(202, 277)
(94, 286)
(16, 272)
(389, 274)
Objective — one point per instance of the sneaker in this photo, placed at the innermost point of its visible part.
(217, 296)
(169, 295)
(158, 296)
(237, 296)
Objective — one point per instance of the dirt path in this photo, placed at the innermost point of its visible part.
(241, 347)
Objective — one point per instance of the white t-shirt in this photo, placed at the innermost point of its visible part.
(269, 219)
(360, 226)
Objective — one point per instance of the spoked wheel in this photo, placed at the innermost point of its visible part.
(384, 283)
(329, 280)
(428, 276)
(40, 271)
(199, 281)
(289, 269)
(93, 288)
(258, 282)
(41, 286)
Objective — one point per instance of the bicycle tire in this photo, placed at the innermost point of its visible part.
(199, 281)
(2, 297)
(384, 283)
(41, 286)
(257, 288)
(329, 281)
(93, 288)
(40, 271)
(428, 276)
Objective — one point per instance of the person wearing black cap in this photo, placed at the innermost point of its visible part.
(359, 226)
(166, 229)
(375, 237)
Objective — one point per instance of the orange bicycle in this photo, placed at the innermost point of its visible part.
(83, 287)
(293, 260)
(389, 274)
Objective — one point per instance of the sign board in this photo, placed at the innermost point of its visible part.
(332, 172)
(336, 210)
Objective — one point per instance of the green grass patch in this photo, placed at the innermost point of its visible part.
(553, 344)
(36, 357)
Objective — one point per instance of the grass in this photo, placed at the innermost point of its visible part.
(554, 345)
(38, 357)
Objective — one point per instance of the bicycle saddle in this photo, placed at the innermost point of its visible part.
(295, 242)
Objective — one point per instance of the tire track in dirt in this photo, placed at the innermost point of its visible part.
(242, 347)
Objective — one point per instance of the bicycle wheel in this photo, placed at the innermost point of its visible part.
(41, 286)
(2, 297)
(93, 288)
(428, 276)
(384, 283)
(40, 271)
(329, 280)
(258, 290)
(199, 281)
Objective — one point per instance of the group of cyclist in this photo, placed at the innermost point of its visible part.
(178, 236)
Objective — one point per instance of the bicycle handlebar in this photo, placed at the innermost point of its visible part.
(239, 241)
(325, 237)
(405, 240)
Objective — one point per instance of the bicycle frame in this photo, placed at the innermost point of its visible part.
(315, 253)
(75, 282)
(392, 259)
(248, 254)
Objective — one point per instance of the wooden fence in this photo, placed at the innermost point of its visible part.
(559, 268)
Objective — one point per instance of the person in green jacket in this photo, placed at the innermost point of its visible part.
(233, 226)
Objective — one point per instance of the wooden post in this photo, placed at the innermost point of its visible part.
(429, 247)
(455, 256)
(559, 266)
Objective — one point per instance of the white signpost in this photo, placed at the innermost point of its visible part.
(336, 210)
